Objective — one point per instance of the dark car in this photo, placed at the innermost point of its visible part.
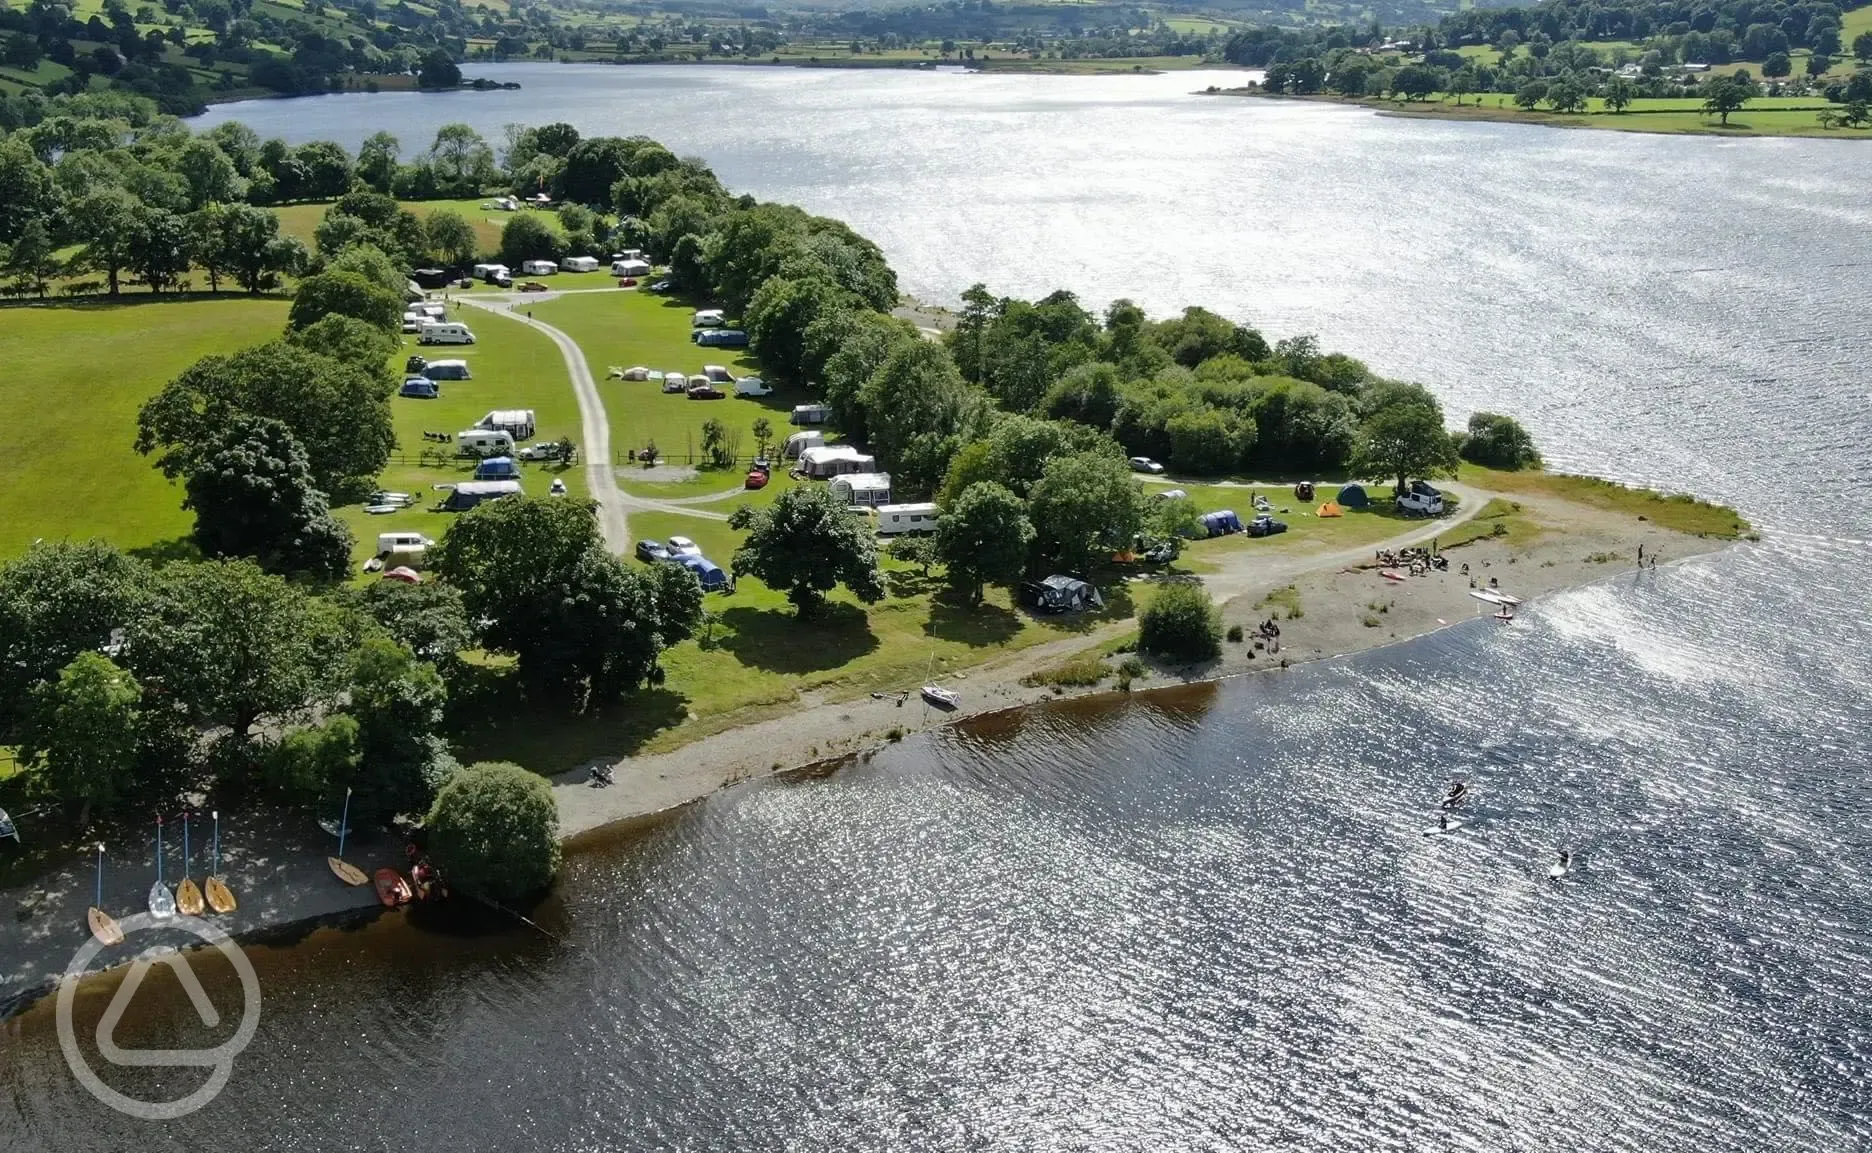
(432, 277)
(1266, 526)
(650, 551)
(662, 286)
(706, 392)
(414, 365)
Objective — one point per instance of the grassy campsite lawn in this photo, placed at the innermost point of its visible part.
(85, 370)
(514, 367)
(301, 220)
(1306, 532)
(1676, 511)
(625, 329)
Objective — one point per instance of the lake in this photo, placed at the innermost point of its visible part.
(1207, 919)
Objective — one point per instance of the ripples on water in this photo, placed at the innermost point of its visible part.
(1209, 920)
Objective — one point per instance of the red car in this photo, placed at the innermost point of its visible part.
(757, 478)
(628, 282)
(705, 392)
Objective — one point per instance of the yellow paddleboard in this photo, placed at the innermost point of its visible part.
(104, 928)
(347, 873)
(220, 897)
(188, 898)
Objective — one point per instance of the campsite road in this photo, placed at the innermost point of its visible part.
(600, 476)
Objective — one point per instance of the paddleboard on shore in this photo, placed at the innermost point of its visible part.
(1437, 831)
(220, 897)
(1486, 595)
(188, 898)
(346, 872)
(161, 901)
(104, 927)
(1392, 574)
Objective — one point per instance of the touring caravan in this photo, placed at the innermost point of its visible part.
(835, 460)
(716, 374)
(538, 268)
(801, 441)
(516, 422)
(896, 519)
(477, 442)
(866, 488)
(445, 334)
(811, 414)
(581, 264)
(630, 266)
(447, 370)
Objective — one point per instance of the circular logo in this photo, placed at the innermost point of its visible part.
(219, 1059)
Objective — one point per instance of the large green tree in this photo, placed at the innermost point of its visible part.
(1085, 508)
(919, 412)
(105, 222)
(451, 239)
(494, 832)
(33, 259)
(1499, 442)
(528, 237)
(85, 732)
(57, 601)
(339, 412)
(805, 544)
(983, 538)
(1726, 94)
(255, 253)
(397, 702)
(1405, 438)
(160, 250)
(252, 493)
(345, 294)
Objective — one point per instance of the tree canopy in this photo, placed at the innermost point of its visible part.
(983, 538)
(494, 832)
(806, 543)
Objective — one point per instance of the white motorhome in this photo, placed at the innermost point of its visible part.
(403, 547)
(414, 321)
(894, 519)
(515, 422)
(538, 268)
(581, 264)
(453, 333)
(480, 442)
(708, 318)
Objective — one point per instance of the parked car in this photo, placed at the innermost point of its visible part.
(1145, 464)
(533, 286)
(757, 478)
(1421, 500)
(628, 282)
(498, 280)
(544, 450)
(683, 546)
(706, 392)
(662, 286)
(415, 364)
(1159, 553)
(650, 552)
(1266, 526)
(421, 388)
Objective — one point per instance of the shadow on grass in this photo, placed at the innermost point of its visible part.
(494, 722)
(985, 624)
(778, 641)
(169, 551)
(904, 583)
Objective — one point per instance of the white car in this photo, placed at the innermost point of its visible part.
(683, 546)
(1145, 464)
(1421, 503)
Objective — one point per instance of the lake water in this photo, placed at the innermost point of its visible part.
(1207, 920)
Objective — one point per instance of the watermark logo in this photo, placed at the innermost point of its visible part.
(219, 1059)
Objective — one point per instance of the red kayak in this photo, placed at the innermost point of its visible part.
(392, 889)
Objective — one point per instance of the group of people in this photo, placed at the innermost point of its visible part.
(1270, 632)
(599, 776)
(1458, 794)
(1417, 560)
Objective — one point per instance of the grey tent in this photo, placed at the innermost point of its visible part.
(468, 494)
(1059, 593)
(1353, 496)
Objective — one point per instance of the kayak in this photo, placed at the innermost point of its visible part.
(942, 697)
(392, 889)
(1391, 574)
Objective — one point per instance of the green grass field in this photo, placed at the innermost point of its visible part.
(301, 220)
(1676, 511)
(74, 474)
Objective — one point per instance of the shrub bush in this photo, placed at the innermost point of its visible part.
(494, 831)
(1235, 633)
(1182, 624)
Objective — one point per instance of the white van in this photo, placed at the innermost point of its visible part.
(708, 318)
(402, 544)
(445, 334)
(484, 442)
(581, 264)
(752, 386)
(414, 321)
(538, 268)
(894, 519)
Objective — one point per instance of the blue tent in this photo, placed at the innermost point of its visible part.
(1353, 496)
(497, 468)
(706, 571)
(1222, 522)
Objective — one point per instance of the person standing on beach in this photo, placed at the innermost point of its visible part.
(1640, 554)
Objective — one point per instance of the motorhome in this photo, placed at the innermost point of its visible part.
(453, 333)
(482, 442)
(403, 547)
(581, 264)
(494, 273)
(708, 318)
(896, 519)
(515, 422)
(435, 312)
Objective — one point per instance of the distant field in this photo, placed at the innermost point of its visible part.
(301, 220)
(72, 473)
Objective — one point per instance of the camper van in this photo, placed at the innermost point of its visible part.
(811, 414)
(515, 422)
(708, 318)
(496, 274)
(445, 334)
(581, 264)
(483, 442)
(447, 370)
(404, 546)
(538, 268)
(720, 338)
(630, 266)
(752, 386)
(896, 519)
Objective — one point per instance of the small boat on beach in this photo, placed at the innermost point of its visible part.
(333, 827)
(392, 890)
(1391, 574)
(941, 697)
(162, 903)
(188, 895)
(220, 897)
(347, 872)
(104, 927)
